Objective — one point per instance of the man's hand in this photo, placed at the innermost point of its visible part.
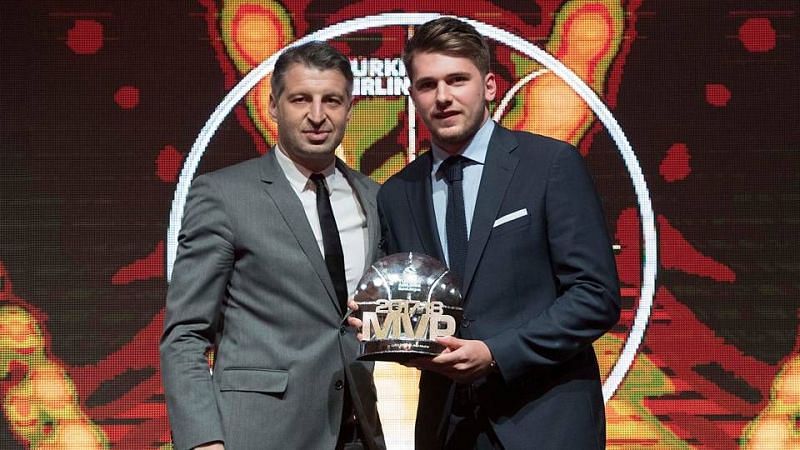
(354, 321)
(211, 446)
(463, 360)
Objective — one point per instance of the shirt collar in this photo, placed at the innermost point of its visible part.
(297, 174)
(474, 151)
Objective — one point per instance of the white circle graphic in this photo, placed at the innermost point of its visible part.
(646, 213)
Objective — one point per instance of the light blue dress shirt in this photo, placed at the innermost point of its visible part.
(475, 151)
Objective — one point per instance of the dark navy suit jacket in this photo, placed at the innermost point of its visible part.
(538, 290)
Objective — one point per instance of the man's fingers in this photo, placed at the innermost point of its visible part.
(450, 342)
(450, 358)
(356, 323)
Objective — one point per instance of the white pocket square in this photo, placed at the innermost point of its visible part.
(510, 216)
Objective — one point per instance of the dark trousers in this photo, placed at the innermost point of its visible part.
(471, 433)
(350, 434)
(350, 438)
(469, 427)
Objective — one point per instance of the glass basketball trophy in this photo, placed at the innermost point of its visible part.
(405, 302)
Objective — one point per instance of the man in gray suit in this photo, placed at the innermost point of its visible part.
(268, 250)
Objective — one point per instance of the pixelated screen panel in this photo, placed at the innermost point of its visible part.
(683, 111)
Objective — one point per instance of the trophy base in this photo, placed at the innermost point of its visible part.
(399, 350)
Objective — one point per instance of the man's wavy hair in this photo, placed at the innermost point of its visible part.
(315, 54)
(448, 36)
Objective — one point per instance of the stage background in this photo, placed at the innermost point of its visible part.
(101, 102)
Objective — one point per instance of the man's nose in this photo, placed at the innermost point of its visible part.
(443, 96)
(316, 113)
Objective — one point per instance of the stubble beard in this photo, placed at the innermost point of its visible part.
(310, 156)
(459, 137)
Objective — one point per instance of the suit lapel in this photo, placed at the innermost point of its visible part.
(497, 173)
(420, 203)
(277, 187)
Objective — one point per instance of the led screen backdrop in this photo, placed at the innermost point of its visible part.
(686, 113)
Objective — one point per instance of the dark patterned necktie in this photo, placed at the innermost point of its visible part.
(334, 256)
(455, 220)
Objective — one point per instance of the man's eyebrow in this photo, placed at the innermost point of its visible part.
(458, 74)
(449, 75)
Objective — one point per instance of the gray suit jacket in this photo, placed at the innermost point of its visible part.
(249, 279)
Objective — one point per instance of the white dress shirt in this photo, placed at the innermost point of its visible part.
(350, 218)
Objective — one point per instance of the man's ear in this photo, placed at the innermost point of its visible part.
(273, 107)
(490, 84)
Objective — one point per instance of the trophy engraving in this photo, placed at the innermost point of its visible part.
(406, 301)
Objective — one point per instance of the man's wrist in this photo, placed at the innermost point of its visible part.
(492, 361)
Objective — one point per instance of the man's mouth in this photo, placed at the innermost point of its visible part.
(442, 115)
(316, 135)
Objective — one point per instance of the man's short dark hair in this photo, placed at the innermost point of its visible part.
(315, 54)
(451, 37)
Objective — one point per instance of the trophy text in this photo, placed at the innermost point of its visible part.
(407, 319)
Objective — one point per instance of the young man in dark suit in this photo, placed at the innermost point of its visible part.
(517, 218)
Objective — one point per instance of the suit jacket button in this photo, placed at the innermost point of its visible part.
(338, 385)
(342, 330)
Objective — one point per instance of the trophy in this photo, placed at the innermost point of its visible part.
(406, 301)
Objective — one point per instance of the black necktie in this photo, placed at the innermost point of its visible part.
(334, 257)
(455, 220)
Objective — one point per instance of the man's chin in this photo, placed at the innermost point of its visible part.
(321, 151)
(452, 137)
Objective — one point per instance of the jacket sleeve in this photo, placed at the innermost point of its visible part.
(587, 302)
(194, 299)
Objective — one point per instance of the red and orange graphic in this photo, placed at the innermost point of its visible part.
(688, 386)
